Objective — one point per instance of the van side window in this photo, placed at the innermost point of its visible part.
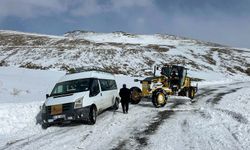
(107, 84)
(112, 84)
(104, 84)
(94, 88)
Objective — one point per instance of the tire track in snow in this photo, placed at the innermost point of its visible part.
(219, 96)
(121, 145)
(140, 139)
(236, 116)
(21, 143)
(215, 98)
(213, 95)
(204, 114)
(205, 92)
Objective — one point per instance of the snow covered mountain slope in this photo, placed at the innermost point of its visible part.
(122, 53)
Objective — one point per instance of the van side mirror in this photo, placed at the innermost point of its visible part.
(47, 95)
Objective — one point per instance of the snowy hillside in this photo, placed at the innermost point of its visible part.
(121, 53)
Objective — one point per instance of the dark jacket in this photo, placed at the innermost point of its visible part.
(124, 94)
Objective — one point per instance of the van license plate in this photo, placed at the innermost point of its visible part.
(58, 116)
(56, 109)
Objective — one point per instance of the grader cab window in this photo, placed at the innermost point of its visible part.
(166, 71)
(176, 74)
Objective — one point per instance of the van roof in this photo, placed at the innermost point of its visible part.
(87, 74)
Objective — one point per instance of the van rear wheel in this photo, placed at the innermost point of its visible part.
(92, 115)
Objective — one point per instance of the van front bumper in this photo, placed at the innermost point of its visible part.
(68, 114)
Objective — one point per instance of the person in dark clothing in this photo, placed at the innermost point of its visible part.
(125, 98)
(174, 78)
(174, 82)
(174, 74)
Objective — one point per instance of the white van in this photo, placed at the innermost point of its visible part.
(80, 96)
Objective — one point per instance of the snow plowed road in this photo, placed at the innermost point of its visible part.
(219, 119)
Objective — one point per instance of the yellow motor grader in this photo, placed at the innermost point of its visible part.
(173, 80)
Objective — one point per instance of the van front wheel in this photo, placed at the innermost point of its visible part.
(45, 126)
(92, 115)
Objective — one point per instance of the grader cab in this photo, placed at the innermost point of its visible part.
(173, 80)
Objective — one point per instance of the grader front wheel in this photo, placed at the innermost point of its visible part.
(159, 98)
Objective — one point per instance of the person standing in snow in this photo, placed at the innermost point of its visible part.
(125, 98)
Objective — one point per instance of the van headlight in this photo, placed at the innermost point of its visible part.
(78, 103)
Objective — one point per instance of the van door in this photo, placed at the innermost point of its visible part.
(95, 94)
(113, 89)
(106, 92)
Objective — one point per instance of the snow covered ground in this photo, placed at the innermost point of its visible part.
(219, 119)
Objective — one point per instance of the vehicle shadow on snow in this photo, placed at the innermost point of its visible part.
(174, 102)
(146, 104)
(85, 122)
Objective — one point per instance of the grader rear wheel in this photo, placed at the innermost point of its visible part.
(136, 95)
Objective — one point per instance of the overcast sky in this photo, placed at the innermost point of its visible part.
(222, 21)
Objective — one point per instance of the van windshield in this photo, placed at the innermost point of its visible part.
(72, 86)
